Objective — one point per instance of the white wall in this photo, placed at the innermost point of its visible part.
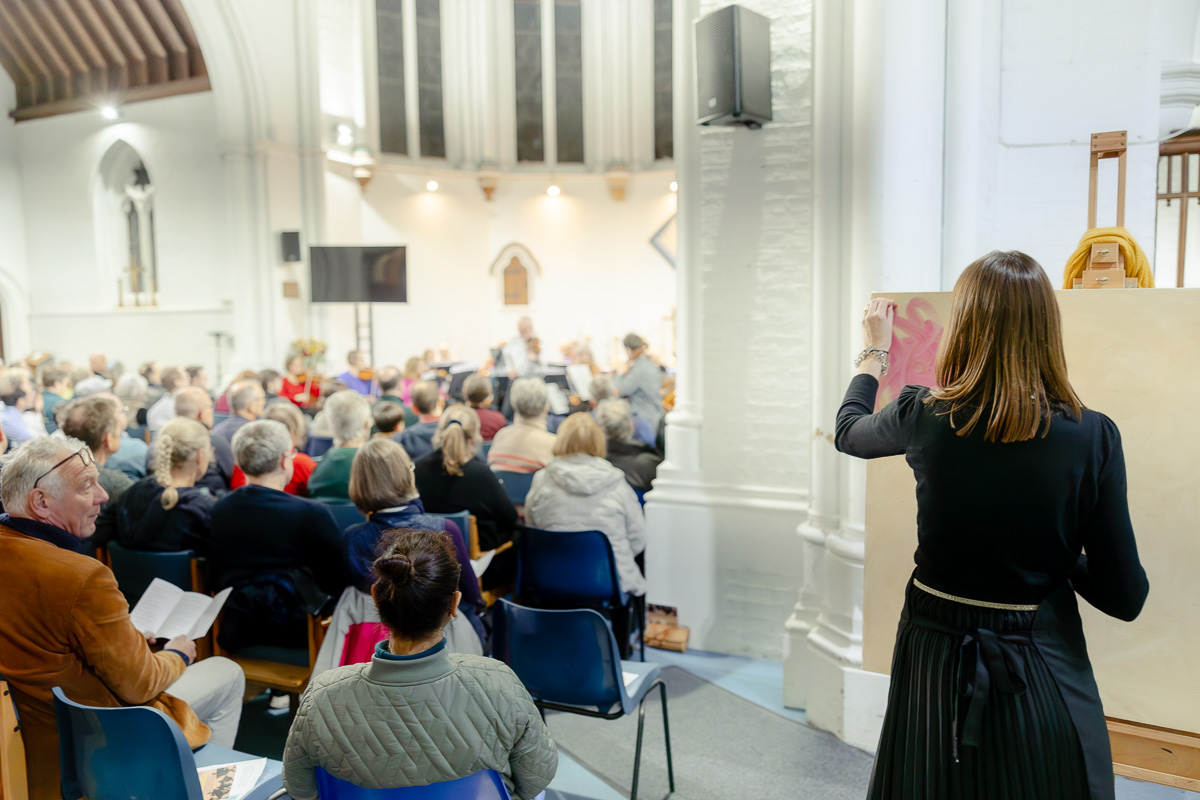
(14, 299)
(74, 300)
(600, 276)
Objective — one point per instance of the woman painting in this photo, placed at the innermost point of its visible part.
(992, 693)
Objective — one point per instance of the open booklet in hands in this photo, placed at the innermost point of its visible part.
(166, 611)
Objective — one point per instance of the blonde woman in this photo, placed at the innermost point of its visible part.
(580, 491)
(165, 511)
(1015, 479)
(451, 479)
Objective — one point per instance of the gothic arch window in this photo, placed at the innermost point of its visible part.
(515, 268)
(123, 205)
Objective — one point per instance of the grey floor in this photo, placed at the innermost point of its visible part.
(760, 682)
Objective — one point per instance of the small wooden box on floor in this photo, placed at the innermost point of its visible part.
(1131, 354)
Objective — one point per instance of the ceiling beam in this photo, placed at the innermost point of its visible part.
(164, 27)
(139, 69)
(62, 12)
(23, 50)
(114, 57)
(133, 95)
(64, 84)
(24, 80)
(81, 72)
(184, 25)
(147, 39)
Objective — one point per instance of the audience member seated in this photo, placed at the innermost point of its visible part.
(131, 457)
(16, 392)
(417, 440)
(166, 512)
(640, 379)
(602, 389)
(414, 368)
(477, 391)
(580, 491)
(349, 418)
(98, 421)
(295, 385)
(383, 487)
(98, 364)
(389, 390)
(526, 445)
(221, 402)
(271, 382)
(90, 385)
(152, 372)
(54, 383)
(353, 377)
(302, 464)
(417, 714)
(246, 400)
(163, 411)
(132, 390)
(389, 419)
(65, 622)
(264, 539)
(451, 479)
(194, 403)
(197, 377)
(638, 460)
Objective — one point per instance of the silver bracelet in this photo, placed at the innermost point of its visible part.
(880, 355)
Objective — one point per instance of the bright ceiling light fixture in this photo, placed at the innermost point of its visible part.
(432, 186)
(109, 112)
(345, 136)
(553, 190)
(674, 186)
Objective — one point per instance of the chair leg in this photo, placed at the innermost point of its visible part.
(667, 736)
(637, 753)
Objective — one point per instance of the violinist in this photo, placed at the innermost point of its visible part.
(521, 355)
(360, 377)
(298, 385)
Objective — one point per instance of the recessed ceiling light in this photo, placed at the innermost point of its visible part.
(108, 112)
(431, 186)
(553, 190)
(674, 186)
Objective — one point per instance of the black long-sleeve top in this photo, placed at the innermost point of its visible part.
(1007, 522)
(256, 530)
(477, 490)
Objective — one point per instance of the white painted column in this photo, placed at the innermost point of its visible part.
(894, 58)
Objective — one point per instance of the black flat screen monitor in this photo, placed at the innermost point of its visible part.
(358, 274)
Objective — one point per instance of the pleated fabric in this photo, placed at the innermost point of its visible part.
(1028, 747)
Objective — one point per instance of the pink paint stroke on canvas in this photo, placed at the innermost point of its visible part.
(915, 339)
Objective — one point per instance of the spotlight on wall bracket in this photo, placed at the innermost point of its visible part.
(109, 113)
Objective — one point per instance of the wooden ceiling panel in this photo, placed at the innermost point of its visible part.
(72, 55)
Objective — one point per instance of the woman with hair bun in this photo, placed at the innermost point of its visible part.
(417, 714)
(165, 511)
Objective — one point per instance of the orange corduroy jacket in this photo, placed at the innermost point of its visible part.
(64, 622)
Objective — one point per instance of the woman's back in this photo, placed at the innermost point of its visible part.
(392, 723)
(143, 524)
(1005, 522)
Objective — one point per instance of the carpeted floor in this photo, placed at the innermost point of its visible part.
(723, 746)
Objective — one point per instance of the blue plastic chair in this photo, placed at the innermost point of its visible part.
(136, 569)
(487, 448)
(139, 432)
(131, 753)
(317, 446)
(569, 661)
(516, 484)
(344, 514)
(483, 785)
(641, 496)
(573, 569)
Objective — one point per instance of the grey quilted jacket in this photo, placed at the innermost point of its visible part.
(387, 724)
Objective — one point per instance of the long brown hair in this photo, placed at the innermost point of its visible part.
(1001, 356)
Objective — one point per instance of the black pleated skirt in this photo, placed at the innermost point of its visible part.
(1017, 742)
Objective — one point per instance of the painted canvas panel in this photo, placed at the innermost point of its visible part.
(1124, 359)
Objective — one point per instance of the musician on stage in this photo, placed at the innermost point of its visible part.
(360, 377)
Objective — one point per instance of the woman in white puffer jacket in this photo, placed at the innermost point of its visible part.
(580, 491)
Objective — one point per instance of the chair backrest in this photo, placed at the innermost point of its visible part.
(139, 432)
(562, 656)
(14, 783)
(131, 753)
(566, 568)
(135, 569)
(460, 518)
(516, 484)
(641, 496)
(345, 514)
(487, 448)
(483, 785)
(317, 446)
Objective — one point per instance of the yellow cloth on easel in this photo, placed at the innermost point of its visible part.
(1136, 263)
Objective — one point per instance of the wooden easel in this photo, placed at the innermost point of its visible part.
(1106, 265)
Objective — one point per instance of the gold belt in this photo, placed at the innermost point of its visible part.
(979, 603)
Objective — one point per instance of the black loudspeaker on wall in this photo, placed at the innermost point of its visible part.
(733, 68)
(289, 244)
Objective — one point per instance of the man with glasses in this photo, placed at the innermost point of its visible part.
(65, 622)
